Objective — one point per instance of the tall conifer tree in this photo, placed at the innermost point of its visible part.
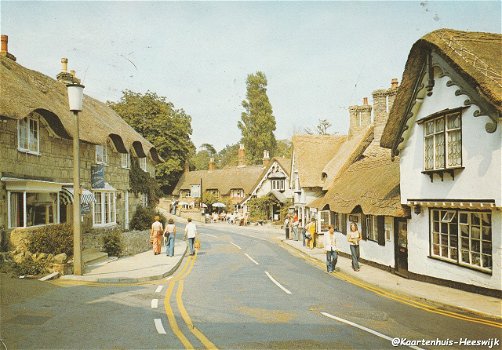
(257, 122)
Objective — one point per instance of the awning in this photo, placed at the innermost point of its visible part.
(66, 196)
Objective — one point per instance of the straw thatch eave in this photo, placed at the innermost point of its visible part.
(223, 180)
(475, 56)
(24, 92)
(371, 183)
(311, 154)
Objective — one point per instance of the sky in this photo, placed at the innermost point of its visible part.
(319, 57)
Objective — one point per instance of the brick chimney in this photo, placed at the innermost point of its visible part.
(266, 158)
(4, 51)
(383, 99)
(186, 168)
(241, 156)
(212, 165)
(360, 117)
(64, 76)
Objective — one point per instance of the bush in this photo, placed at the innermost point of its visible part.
(112, 243)
(30, 267)
(51, 239)
(144, 217)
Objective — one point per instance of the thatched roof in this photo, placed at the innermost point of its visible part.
(346, 154)
(312, 153)
(24, 91)
(371, 183)
(475, 56)
(222, 179)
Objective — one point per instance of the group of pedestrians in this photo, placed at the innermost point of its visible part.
(158, 232)
(293, 227)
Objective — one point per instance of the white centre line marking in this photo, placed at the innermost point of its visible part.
(277, 283)
(235, 245)
(250, 258)
(159, 326)
(159, 289)
(365, 329)
(210, 235)
(155, 303)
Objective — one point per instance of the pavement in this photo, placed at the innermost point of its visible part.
(147, 267)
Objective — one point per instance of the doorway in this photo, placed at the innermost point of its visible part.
(401, 246)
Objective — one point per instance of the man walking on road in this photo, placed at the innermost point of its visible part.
(190, 232)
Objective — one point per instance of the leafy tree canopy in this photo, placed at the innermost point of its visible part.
(166, 127)
(257, 122)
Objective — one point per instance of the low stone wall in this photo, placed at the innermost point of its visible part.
(133, 242)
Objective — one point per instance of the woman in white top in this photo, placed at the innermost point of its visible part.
(330, 247)
(156, 235)
(353, 237)
(170, 235)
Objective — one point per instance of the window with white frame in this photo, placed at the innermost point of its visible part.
(237, 193)
(443, 142)
(371, 228)
(125, 160)
(31, 209)
(101, 154)
(104, 210)
(28, 135)
(214, 192)
(142, 163)
(462, 237)
(144, 200)
(278, 185)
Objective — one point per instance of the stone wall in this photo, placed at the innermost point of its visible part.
(133, 242)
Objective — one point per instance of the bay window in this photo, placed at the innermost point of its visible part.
(31, 209)
(462, 237)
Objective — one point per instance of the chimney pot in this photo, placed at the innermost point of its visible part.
(394, 83)
(4, 49)
(365, 101)
(64, 65)
(72, 72)
(5, 43)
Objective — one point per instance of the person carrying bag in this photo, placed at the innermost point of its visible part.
(330, 247)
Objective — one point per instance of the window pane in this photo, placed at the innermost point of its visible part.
(453, 253)
(463, 218)
(444, 251)
(33, 136)
(439, 125)
(475, 219)
(435, 238)
(453, 121)
(439, 151)
(475, 246)
(486, 219)
(23, 134)
(466, 256)
(487, 247)
(476, 259)
(475, 232)
(429, 153)
(465, 243)
(487, 233)
(429, 128)
(435, 249)
(464, 230)
(454, 148)
(487, 261)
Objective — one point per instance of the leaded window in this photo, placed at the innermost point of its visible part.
(443, 142)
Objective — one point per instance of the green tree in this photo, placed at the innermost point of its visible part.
(257, 122)
(228, 156)
(166, 127)
(284, 148)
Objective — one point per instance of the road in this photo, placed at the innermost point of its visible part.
(243, 290)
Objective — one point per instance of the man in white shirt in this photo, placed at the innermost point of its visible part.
(190, 232)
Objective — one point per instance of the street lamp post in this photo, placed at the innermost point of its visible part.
(75, 99)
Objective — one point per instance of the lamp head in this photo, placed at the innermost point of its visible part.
(75, 97)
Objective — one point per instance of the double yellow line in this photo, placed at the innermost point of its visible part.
(179, 278)
(405, 300)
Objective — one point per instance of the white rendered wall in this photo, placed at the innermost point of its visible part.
(481, 155)
(370, 250)
(420, 263)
